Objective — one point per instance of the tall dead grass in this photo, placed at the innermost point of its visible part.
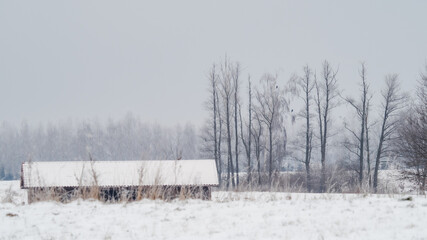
(338, 180)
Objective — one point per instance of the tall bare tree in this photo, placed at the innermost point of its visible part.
(257, 132)
(326, 93)
(213, 78)
(219, 154)
(392, 102)
(270, 107)
(235, 73)
(361, 111)
(412, 141)
(303, 87)
(226, 92)
(368, 147)
(307, 86)
(212, 131)
(246, 140)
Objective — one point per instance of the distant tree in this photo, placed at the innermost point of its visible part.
(270, 107)
(326, 93)
(2, 174)
(190, 143)
(392, 102)
(176, 144)
(9, 176)
(246, 140)
(235, 74)
(367, 145)
(361, 108)
(226, 92)
(213, 79)
(124, 139)
(259, 145)
(303, 87)
(212, 131)
(219, 155)
(411, 143)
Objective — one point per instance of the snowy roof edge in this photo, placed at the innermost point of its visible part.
(127, 173)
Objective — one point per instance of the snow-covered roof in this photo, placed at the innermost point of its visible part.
(119, 173)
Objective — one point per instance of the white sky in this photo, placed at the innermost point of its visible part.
(87, 59)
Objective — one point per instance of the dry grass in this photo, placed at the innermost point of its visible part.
(9, 196)
(157, 191)
(337, 181)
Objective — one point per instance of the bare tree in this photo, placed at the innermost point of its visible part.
(247, 140)
(326, 92)
(257, 132)
(307, 86)
(213, 78)
(368, 147)
(361, 110)
(412, 140)
(226, 92)
(302, 87)
(212, 133)
(219, 154)
(235, 73)
(392, 102)
(271, 105)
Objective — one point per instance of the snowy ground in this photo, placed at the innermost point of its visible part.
(228, 216)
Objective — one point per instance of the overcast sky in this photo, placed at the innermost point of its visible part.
(102, 59)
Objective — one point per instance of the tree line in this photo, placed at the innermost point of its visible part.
(247, 130)
(128, 138)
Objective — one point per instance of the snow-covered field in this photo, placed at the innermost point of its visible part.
(227, 216)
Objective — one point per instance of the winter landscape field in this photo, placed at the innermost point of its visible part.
(230, 215)
(218, 119)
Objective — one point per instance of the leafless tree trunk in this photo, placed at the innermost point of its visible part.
(368, 152)
(250, 131)
(326, 92)
(257, 135)
(361, 110)
(412, 140)
(219, 141)
(213, 80)
(270, 107)
(307, 87)
(235, 76)
(302, 87)
(226, 94)
(247, 142)
(392, 103)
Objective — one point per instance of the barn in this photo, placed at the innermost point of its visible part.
(118, 180)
